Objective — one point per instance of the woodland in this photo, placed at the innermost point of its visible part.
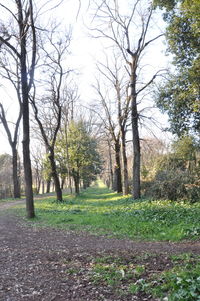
(112, 197)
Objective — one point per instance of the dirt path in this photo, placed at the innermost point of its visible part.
(34, 262)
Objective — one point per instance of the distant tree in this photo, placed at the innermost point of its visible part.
(115, 83)
(84, 158)
(5, 176)
(108, 117)
(13, 141)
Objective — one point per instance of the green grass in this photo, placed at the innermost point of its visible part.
(8, 200)
(101, 211)
(181, 283)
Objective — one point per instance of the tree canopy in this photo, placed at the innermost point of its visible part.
(179, 96)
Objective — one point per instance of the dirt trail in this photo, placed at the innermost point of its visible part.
(33, 261)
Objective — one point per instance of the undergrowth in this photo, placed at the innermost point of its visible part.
(101, 211)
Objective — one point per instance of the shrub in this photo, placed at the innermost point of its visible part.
(173, 185)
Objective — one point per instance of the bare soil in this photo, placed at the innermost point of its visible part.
(45, 264)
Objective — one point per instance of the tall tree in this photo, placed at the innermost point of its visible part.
(48, 109)
(115, 81)
(130, 32)
(179, 95)
(20, 39)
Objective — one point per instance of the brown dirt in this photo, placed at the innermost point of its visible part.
(47, 264)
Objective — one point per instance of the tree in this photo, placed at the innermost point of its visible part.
(110, 125)
(20, 39)
(84, 158)
(179, 95)
(132, 39)
(48, 109)
(115, 81)
(13, 143)
(5, 176)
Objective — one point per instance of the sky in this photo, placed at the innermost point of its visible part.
(85, 51)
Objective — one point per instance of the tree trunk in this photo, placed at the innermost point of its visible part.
(56, 180)
(110, 166)
(27, 163)
(117, 169)
(48, 185)
(26, 122)
(124, 161)
(26, 142)
(42, 187)
(16, 181)
(76, 184)
(136, 141)
(63, 182)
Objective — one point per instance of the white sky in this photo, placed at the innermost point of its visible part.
(84, 52)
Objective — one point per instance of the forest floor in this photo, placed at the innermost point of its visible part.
(46, 264)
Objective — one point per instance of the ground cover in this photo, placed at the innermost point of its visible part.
(101, 211)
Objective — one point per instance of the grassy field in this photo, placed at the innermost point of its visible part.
(101, 211)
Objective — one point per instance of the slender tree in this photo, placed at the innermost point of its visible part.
(13, 144)
(110, 126)
(114, 75)
(48, 110)
(23, 46)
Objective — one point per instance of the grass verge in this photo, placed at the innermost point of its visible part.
(101, 211)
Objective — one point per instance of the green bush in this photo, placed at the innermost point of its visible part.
(173, 185)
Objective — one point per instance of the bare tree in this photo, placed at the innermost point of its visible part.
(20, 39)
(13, 144)
(10, 73)
(48, 109)
(130, 32)
(115, 77)
(110, 125)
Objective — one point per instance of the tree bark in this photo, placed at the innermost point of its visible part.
(136, 140)
(117, 168)
(124, 162)
(110, 166)
(77, 184)
(25, 88)
(55, 178)
(16, 181)
(26, 134)
(48, 185)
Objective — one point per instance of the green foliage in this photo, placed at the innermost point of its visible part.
(179, 96)
(173, 185)
(84, 159)
(177, 173)
(46, 172)
(100, 211)
(180, 284)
